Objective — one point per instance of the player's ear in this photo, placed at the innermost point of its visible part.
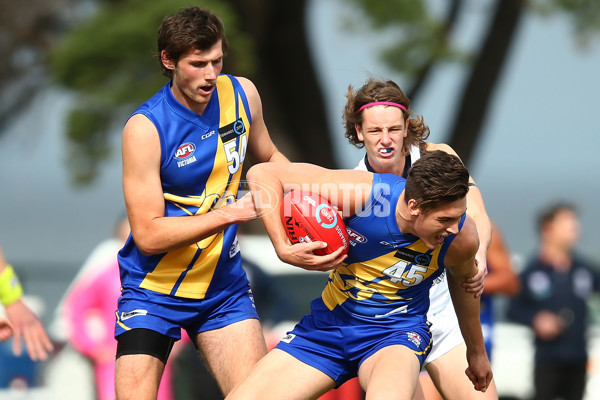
(413, 207)
(166, 61)
(359, 133)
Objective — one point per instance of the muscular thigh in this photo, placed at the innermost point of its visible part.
(280, 375)
(231, 351)
(390, 373)
(137, 376)
(141, 357)
(448, 374)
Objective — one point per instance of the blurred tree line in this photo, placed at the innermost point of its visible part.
(102, 50)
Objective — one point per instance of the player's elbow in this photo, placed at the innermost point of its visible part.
(146, 249)
(254, 173)
(259, 173)
(147, 245)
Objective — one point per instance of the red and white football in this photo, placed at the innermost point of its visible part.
(308, 217)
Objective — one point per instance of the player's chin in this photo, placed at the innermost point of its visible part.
(434, 242)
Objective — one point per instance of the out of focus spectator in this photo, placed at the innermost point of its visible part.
(70, 374)
(104, 253)
(19, 322)
(22, 324)
(89, 312)
(556, 285)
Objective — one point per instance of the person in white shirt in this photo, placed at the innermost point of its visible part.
(377, 117)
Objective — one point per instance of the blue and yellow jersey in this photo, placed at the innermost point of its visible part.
(201, 166)
(387, 274)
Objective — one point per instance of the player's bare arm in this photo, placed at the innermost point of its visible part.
(460, 261)
(476, 209)
(260, 146)
(268, 181)
(153, 232)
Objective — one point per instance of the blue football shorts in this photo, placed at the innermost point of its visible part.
(139, 308)
(337, 344)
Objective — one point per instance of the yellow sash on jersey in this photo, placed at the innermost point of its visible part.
(221, 188)
(360, 281)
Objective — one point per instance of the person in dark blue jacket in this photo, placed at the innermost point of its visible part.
(556, 285)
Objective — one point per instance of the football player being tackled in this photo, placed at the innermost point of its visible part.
(370, 320)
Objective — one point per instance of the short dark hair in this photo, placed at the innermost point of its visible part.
(436, 178)
(190, 28)
(550, 212)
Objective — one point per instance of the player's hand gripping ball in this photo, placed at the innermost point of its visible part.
(308, 217)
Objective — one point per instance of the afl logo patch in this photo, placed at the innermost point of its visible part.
(355, 236)
(185, 154)
(414, 337)
(185, 150)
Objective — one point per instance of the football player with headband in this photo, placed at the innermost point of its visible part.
(377, 116)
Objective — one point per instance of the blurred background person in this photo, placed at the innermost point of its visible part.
(71, 364)
(89, 309)
(19, 322)
(23, 325)
(556, 285)
(102, 254)
(89, 315)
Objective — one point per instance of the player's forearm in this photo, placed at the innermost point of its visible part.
(170, 233)
(467, 311)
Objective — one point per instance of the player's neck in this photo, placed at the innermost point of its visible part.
(396, 168)
(185, 100)
(403, 218)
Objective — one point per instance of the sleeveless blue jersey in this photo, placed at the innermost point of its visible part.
(201, 166)
(387, 274)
